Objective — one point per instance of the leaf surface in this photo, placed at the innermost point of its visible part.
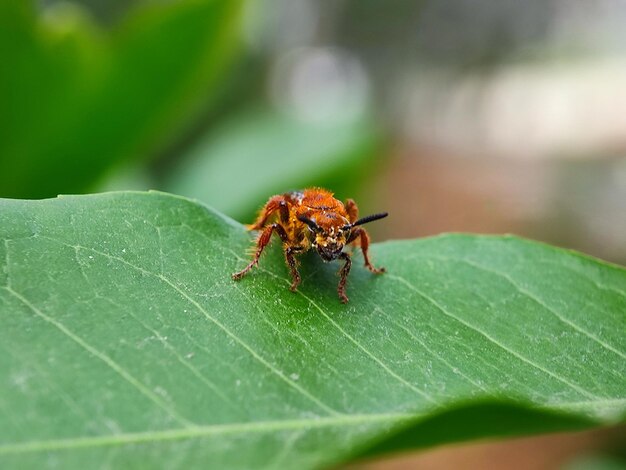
(124, 340)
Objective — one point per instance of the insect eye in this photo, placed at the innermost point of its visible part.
(311, 223)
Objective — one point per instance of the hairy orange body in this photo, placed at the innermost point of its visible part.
(312, 218)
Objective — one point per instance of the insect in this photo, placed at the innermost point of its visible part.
(312, 218)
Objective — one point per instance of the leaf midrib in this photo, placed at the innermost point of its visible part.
(196, 431)
(199, 431)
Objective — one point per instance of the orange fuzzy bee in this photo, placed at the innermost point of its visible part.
(312, 218)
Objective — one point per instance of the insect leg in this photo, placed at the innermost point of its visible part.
(289, 256)
(352, 209)
(345, 270)
(365, 243)
(292, 263)
(261, 243)
(275, 203)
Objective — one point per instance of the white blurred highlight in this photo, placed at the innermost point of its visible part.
(320, 85)
(565, 110)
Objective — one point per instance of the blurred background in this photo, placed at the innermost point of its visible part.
(453, 115)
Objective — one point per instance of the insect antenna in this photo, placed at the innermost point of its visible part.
(370, 218)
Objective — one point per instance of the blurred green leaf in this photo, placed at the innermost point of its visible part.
(473, 420)
(124, 340)
(76, 101)
(258, 153)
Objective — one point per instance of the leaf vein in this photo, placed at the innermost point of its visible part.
(454, 370)
(489, 337)
(538, 301)
(210, 385)
(291, 333)
(245, 345)
(353, 340)
(104, 358)
(212, 319)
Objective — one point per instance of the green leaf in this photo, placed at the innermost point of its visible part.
(77, 100)
(124, 340)
(264, 151)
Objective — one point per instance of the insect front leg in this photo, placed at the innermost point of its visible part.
(345, 270)
(365, 243)
(293, 263)
(261, 243)
(289, 256)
